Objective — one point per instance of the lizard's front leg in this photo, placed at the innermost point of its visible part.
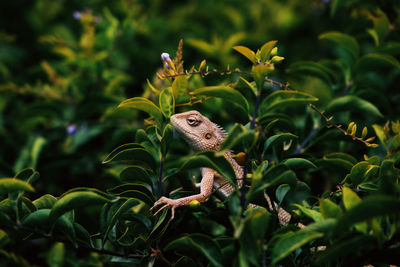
(206, 186)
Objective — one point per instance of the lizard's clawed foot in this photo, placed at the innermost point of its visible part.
(166, 202)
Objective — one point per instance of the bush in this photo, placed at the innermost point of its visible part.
(308, 142)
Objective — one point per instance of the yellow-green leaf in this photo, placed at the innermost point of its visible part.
(167, 102)
(143, 104)
(246, 52)
(266, 50)
(8, 185)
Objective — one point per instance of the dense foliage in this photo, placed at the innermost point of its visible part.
(85, 101)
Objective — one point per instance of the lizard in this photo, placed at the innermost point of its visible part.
(201, 134)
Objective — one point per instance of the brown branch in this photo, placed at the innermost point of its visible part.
(282, 86)
(80, 245)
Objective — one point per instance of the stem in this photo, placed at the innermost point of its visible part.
(282, 86)
(346, 89)
(306, 140)
(330, 123)
(243, 188)
(79, 245)
(159, 182)
(252, 126)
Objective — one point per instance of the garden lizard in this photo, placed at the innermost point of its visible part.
(201, 134)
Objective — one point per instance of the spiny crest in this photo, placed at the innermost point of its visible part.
(220, 131)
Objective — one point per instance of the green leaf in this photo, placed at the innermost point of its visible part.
(314, 69)
(197, 244)
(370, 207)
(123, 205)
(342, 160)
(281, 192)
(368, 186)
(246, 52)
(211, 160)
(278, 138)
(4, 239)
(41, 219)
(380, 133)
(389, 177)
(375, 61)
(143, 104)
(346, 247)
(29, 175)
(260, 72)
(153, 89)
(166, 138)
(265, 50)
(396, 142)
(329, 209)
(251, 238)
(350, 198)
(167, 102)
(55, 256)
(5, 220)
(270, 179)
(291, 241)
(45, 202)
(132, 155)
(210, 226)
(9, 185)
(325, 226)
(345, 41)
(316, 216)
(354, 103)
(360, 173)
(119, 149)
(250, 85)
(226, 93)
(135, 174)
(283, 98)
(298, 163)
(75, 200)
(179, 86)
(160, 227)
(137, 191)
(82, 235)
(334, 6)
(239, 136)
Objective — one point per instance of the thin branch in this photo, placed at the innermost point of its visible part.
(80, 245)
(282, 86)
(306, 140)
(159, 182)
(332, 124)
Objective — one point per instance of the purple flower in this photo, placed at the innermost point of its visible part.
(166, 65)
(165, 57)
(77, 15)
(71, 129)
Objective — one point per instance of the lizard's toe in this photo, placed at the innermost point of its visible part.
(166, 202)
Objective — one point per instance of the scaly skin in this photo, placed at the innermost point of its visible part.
(202, 134)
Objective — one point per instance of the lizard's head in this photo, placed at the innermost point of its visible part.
(198, 131)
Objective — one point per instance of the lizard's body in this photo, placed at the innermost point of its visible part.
(202, 134)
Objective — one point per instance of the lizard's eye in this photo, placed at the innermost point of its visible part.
(192, 121)
(208, 136)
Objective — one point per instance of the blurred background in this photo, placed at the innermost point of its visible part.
(66, 65)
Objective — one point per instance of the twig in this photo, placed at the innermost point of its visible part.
(80, 245)
(306, 140)
(332, 124)
(282, 86)
(159, 184)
